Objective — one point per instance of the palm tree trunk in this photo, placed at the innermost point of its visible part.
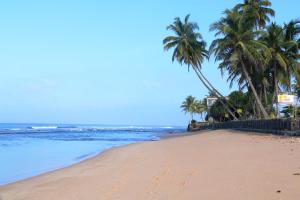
(289, 83)
(258, 101)
(260, 94)
(254, 110)
(258, 111)
(191, 115)
(216, 91)
(276, 95)
(205, 84)
(276, 91)
(265, 96)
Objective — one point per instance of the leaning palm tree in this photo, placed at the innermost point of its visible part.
(189, 106)
(189, 49)
(237, 50)
(255, 12)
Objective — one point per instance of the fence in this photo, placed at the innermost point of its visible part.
(285, 126)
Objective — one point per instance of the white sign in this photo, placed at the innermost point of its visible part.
(210, 101)
(286, 99)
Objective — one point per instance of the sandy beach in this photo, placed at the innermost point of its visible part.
(220, 164)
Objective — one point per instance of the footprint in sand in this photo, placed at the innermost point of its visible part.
(110, 192)
(167, 171)
(156, 181)
(193, 172)
(183, 183)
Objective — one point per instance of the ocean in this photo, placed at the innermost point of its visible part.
(27, 150)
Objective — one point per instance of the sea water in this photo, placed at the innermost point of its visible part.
(28, 150)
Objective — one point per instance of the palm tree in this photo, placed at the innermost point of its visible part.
(189, 48)
(296, 90)
(291, 48)
(200, 108)
(255, 12)
(238, 50)
(278, 64)
(218, 113)
(188, 106)
(292, 30)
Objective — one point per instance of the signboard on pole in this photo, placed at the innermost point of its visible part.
(286, 99)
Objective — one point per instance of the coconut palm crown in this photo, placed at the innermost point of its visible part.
(189, 105)
(189, 47)
(256, 12)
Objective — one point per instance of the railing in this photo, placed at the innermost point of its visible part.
(289, 126)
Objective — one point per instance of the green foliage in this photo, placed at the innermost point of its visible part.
(262, 59)
(238, 51)
(218, 113)
(256, 13)
(188, 106)
(260, 56)
(239, 100)
(290, 111)
(192, 106)
(242, 102)
(189, 47)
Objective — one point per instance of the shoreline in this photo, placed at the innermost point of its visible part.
(160, 136)
(163, 137)
(71, 165)
(77, 182)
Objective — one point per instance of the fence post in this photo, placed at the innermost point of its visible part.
(293, 124)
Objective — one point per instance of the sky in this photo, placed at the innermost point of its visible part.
(102, 62)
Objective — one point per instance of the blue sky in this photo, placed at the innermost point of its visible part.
(102, 61)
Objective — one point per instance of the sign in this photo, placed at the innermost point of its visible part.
(286, 99)
(211, 101)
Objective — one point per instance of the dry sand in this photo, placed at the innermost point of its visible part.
(218, 165)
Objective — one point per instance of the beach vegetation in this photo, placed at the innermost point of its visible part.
(257, 54)
(189, 48)
(188, 106)
(193, 106)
